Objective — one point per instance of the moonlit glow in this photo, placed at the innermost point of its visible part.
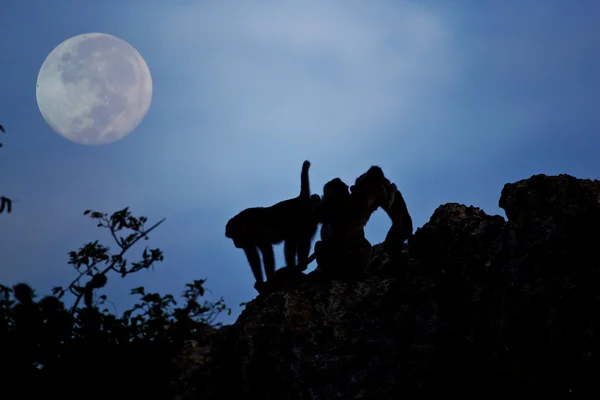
(94, 89)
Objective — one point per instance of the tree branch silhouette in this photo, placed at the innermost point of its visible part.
(5, 202)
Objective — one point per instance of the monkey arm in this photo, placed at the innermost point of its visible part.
(402, 226)
(254, 261)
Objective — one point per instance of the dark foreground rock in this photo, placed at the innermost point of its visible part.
(481, 308)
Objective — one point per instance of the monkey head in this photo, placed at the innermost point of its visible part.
(335, 188)
(237, 229)
(373, 177)
(336, 198)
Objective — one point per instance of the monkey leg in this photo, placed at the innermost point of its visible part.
(345, 257)
(289, 251)
(268, 260)
(254, 261)
(303, 253)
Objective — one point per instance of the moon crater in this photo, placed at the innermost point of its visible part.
(94, 89)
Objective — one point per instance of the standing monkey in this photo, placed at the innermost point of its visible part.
(290, 221)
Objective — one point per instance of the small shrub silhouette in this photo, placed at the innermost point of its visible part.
(85, 350)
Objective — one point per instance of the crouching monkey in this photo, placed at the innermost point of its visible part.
(343, 248)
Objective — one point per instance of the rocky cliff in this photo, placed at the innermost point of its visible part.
(480, 308)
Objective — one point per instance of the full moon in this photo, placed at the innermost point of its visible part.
(94, 89)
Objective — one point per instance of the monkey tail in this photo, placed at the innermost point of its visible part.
(304, 182)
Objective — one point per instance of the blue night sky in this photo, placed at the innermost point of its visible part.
(453, 99)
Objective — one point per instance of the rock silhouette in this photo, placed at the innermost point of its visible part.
(483, 308)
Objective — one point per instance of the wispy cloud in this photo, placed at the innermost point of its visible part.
(272, 85)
